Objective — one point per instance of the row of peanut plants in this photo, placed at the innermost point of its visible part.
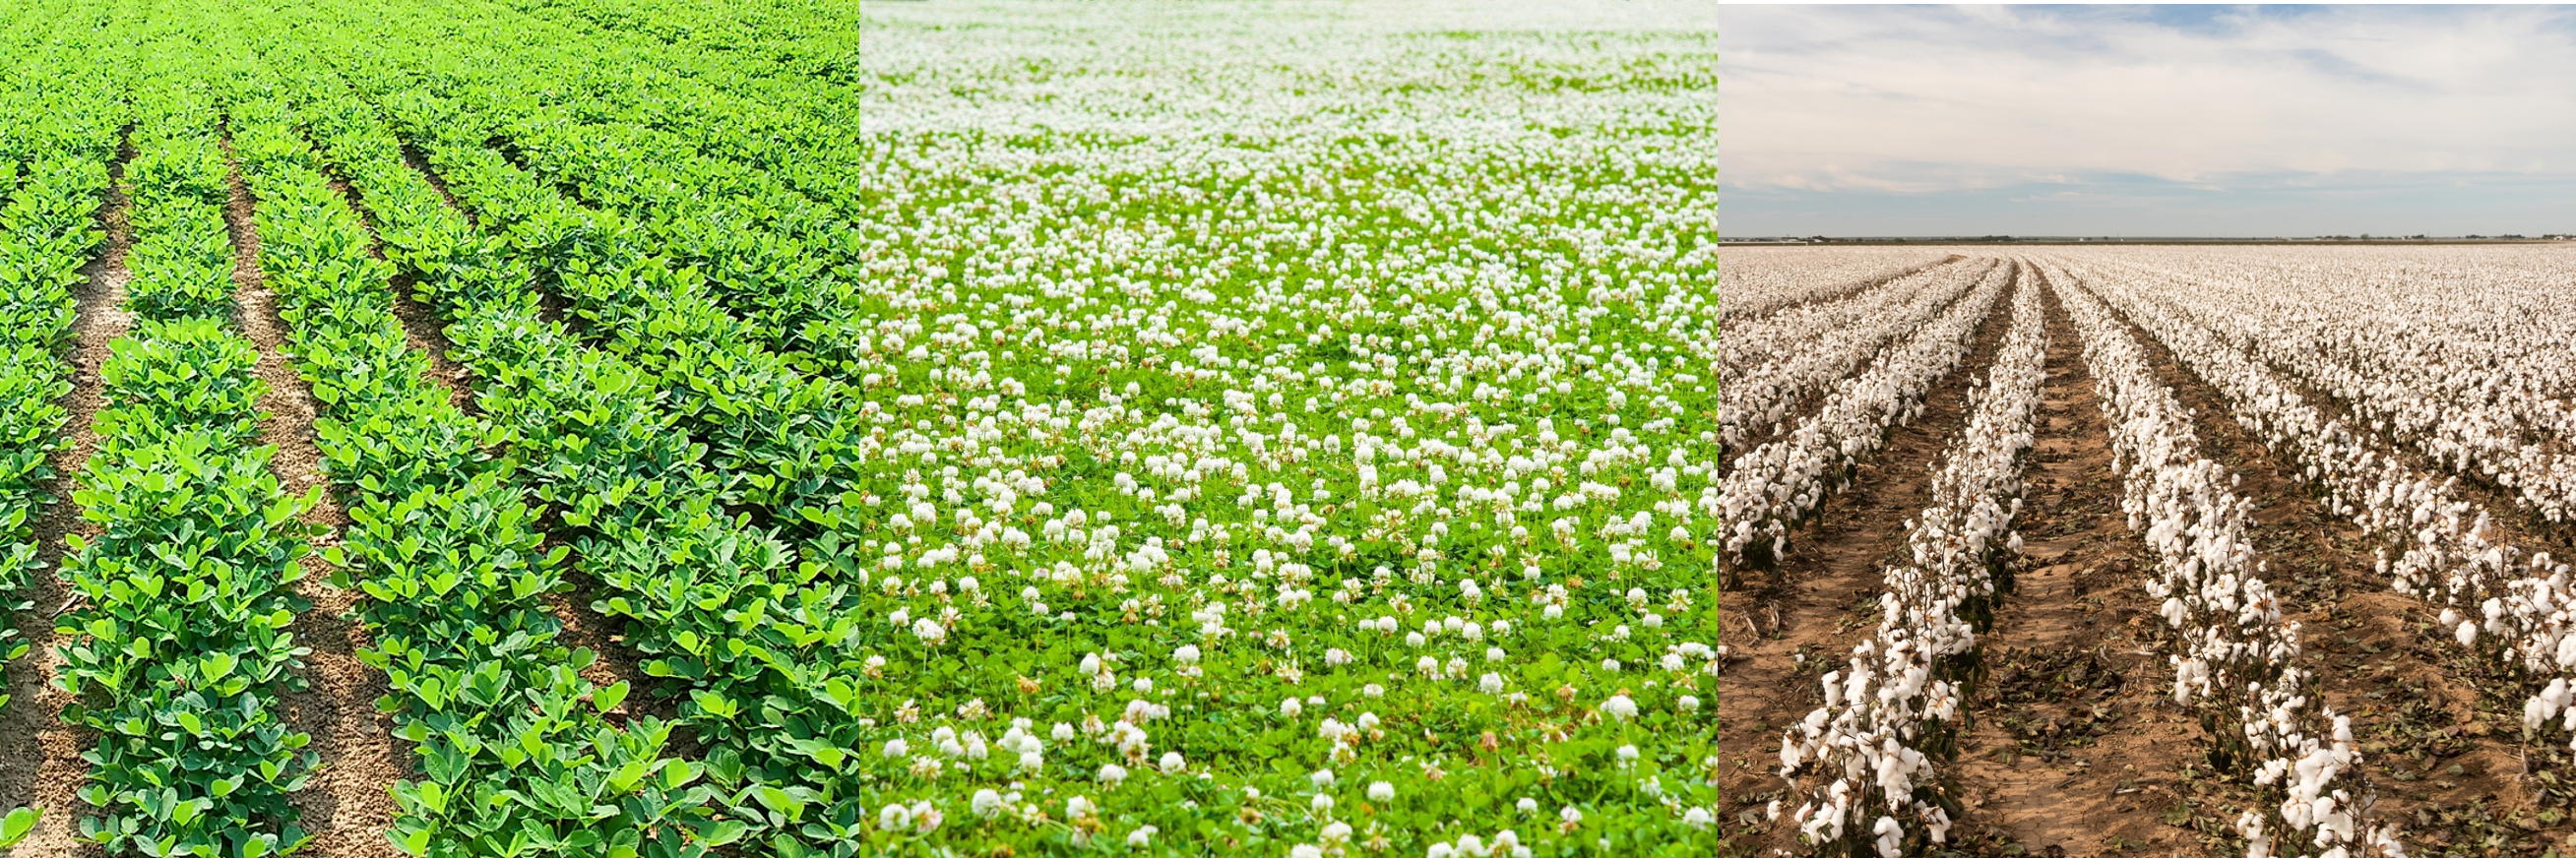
(515, 749)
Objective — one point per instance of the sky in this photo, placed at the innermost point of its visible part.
(2147, 120)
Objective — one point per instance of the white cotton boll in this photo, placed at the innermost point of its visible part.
(2468, 633)
(1890, 836)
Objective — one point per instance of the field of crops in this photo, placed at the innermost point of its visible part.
(2157, 550)
(665, 428)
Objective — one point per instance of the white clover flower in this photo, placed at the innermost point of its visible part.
(1619, 706)
(895, 748)
(1112, 773)
(986, 803)
(1321, 778)
(1381, 791)
(1142, 837)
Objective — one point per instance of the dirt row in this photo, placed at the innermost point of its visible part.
(2074, 746)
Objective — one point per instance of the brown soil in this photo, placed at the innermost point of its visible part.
(1790, 630)
(2075, 744)
(347, 806)
(2416, 716)
(40, 762)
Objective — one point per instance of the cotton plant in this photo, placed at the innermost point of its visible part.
(2236, 649)
(1890, 717)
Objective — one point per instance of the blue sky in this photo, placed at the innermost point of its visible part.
(2147, 120)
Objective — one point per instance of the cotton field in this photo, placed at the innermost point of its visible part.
(2203, 549)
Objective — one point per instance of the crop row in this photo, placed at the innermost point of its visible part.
(1891, 717)
(53, 174)
(1807, 349)
(512, 742)
(2512, 604)
(2266, 715)
(178, 643)
(1776, 485)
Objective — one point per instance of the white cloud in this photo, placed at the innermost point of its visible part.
(1922, 99)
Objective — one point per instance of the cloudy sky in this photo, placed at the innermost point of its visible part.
(2147, 120)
